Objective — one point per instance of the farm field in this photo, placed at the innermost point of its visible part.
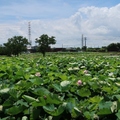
(60, 86)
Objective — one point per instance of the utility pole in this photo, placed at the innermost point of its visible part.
(82, 42)
(85, 40)
(85, 43)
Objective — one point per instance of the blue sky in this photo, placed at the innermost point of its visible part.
(13, 10)
(67, 20)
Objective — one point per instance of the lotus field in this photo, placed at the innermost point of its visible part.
(76, 86)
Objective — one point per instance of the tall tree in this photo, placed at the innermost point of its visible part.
(44, 42)
(16, 45)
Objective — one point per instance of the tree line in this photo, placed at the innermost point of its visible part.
(18, 44)
(112, 47)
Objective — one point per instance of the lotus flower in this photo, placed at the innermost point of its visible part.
(79, 82)
(85, 72)
(38, 74)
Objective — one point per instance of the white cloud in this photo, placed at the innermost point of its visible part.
(100, 26)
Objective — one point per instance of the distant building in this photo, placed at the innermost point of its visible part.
(34, 49)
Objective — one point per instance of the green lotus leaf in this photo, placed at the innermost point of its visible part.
(84, 92)
(57, 87)
(49, 108)
(95, 99)
(53, 99)
(105, 108)
(40, 102)
(54, 111)
(24, 118)
(75, 112)
(14, 110)
(74, 69)
(118, 114)
(5, 90)
(41, 91)
(29, 99)
(65, 83)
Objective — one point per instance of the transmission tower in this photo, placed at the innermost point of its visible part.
(29, 34)
(82, 42)
(85, 41)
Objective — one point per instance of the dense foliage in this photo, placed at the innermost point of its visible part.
(113, 47)
(44, 42)
(16, 45)
(60, 87)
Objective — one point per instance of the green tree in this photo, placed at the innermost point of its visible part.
(44, 42)
(118, 46)
(113, 47)
(2, 50)
(16, 45)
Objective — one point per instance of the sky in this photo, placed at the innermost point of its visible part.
(67, 20)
